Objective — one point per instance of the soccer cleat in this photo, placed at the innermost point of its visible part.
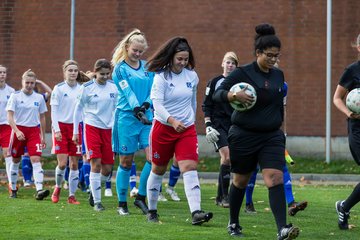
(141, 205)
(250, 209)
(199, 217)
(108, 192)
(222, 201)
(162, 198)
(288, 232)
(91, 199)
(134, 192)
(56, 195)
(152, 216)
(72, 200)
(98, 207)
(342, 215)
(13, 194)
(172, 194)
(235, 230)
(296, 206)
(41, 194)
(123, 210)
(10, 189)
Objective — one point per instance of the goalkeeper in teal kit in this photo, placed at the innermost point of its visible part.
(133, 115)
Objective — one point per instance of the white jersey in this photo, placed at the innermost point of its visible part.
(64, 97)
(98, 103)
(4, 98)
(27, 108)
(175, 96)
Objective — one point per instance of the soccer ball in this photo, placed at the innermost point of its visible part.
(250, 90)
(353, 100)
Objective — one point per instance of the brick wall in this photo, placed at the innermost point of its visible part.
(35, 34)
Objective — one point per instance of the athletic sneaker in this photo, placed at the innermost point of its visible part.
(162, 198)
(152, 216)
(141, 205)
(249, 208)
(222, 201)
(72, 200)
(296, 206)
(123, 210)
(99, 207)
(342, 215)
(134, 192)
(172, 194)
(91, 199)
(108, 192)
(27, 183)
(13, 194)
(66, 185)
(41, 194)
(56, 195)
(199, 217)
(235, 230)
(288, 232)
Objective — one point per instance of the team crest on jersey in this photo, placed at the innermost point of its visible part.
(112, 95)
(57, 147)
(36, 104)
(146, 74)
(123, 84)
(156, 155)
(266, 84)
(188, 84)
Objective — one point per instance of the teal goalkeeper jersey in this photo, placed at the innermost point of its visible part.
(134, 85)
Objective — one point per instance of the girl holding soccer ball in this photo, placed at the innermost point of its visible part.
(349, 81)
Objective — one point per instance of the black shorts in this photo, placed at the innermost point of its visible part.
(222, 126)
(247, 149)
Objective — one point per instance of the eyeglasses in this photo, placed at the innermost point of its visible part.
(271, 55)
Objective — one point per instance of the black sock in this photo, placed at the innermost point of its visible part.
(278, 204)
(140, 197)
(236, 197)
(122, 204)
(353, 199)
(225, 179)
(219, 190)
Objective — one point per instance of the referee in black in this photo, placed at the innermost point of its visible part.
(255, 136)
(217, 118)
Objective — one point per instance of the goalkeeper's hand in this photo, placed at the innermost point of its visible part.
(212, 134)
(139, 113)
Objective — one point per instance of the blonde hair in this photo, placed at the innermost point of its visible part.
(29, 73)
(120, 50)
(68, 63)
(231, 56)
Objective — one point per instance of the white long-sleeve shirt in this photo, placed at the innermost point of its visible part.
(175, 96)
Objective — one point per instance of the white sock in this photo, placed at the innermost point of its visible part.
(38, 175)
(8, 161)
(95, 186)
(14, 174)
(59, 176)
(73, 181)
(192, 190)
(153, 189)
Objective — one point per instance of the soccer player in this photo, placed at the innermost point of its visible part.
(349, 81)
(5, 129)
(133, 115)
(97, 99)
(62, 104)
(26, 167)
(255, 136)
(218, 121)
(26, 115)
(174, 97)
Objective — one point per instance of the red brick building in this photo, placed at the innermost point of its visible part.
(36, 34)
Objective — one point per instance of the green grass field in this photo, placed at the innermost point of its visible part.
(26, 218)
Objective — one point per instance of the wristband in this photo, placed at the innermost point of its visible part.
(208, 123)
